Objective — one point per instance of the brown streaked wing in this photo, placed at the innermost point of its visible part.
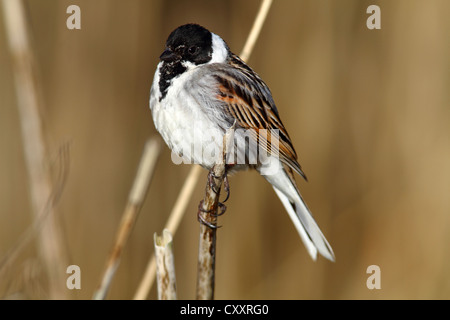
(249, 101)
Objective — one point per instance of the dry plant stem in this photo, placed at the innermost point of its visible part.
(135, 200)
(188, 188)
(165, 267)
(207, 242)
(9, 257)
(171, 225)
(208, 210)
(36, 157)
(256, 29)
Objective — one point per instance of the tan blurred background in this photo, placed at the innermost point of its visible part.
(367, 110)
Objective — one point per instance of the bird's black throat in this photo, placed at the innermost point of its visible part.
(168, 72)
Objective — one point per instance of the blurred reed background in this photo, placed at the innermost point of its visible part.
(367, 110)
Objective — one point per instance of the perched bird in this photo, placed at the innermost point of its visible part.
(200, 89)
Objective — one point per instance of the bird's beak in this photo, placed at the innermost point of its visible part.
(169, 56)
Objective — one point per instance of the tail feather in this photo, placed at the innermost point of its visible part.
(300, 215)
(310, 247)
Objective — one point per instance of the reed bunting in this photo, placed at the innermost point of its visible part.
(200, 89)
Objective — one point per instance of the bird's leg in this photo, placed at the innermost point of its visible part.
(212, 184)
(221, 206)
(203, 220)
(226, 184)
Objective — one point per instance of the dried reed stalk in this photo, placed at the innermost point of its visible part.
(171, 225)
(256, 29)
(29, 102)
(193, 176)
(28, 235)
(135, 199)
(208, 212)
(165, 267)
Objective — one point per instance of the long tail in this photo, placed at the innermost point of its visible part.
(302, 218)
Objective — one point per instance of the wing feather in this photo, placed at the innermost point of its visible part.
(247, 99)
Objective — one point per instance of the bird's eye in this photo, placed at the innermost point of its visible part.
(193, 50)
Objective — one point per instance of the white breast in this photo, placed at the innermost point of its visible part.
(183, 122)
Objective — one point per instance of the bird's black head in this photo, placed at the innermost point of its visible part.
(189, 42)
